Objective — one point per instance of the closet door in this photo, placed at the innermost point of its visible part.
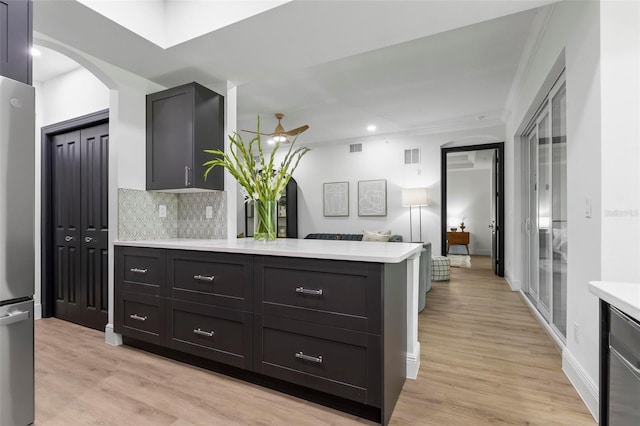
(80, 211)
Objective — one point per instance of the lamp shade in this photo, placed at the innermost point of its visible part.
(414, 197)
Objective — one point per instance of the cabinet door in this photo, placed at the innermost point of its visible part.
(170, 139)
(15, 39)
(181, 123)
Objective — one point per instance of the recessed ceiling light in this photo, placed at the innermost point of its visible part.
(371, 127)
(35, 52)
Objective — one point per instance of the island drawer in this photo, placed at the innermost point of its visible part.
(335, 293)
(218, 279)
(337, 361)
(223, 335)
(140, 316)
(141, 270)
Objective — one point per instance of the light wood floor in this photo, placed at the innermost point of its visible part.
(484, 358)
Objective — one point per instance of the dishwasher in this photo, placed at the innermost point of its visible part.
(624, 370)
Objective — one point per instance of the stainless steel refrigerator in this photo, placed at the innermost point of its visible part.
(17, 195)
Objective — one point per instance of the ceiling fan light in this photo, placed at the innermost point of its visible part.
(279, 138)
(271, 142)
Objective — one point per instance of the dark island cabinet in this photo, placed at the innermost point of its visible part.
(181, 123)
(16, 35)
(333, 327)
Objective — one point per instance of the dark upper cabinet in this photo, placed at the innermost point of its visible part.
(16, 36)
(287, 213)
(181, 123)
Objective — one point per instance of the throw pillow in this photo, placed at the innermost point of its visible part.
(376, 236)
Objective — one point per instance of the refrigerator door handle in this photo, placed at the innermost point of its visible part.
(14, 317)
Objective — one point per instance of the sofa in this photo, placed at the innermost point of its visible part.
(424, 278)
(348, 237)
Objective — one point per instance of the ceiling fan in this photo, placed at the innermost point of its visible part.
(279, 134)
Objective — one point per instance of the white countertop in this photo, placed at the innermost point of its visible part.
(362, 251)
(624, 296)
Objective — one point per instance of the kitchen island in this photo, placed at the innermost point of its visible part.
(338, 318)
(619, 352)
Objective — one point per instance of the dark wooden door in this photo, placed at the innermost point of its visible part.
(494, 212)
(67, 228)
(80, 194)
(15, 39)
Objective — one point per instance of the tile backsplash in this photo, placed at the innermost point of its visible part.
(192, 220)
(138, 215)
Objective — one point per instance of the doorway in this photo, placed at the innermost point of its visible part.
(75, 220)
(496, 212)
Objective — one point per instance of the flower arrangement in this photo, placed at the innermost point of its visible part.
(260, 180)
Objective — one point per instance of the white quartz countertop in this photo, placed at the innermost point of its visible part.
(624, 296)
(362, 251)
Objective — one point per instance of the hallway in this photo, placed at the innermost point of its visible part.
(485, 359)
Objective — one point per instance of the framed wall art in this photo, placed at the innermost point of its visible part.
(372, 197)
(335, 199)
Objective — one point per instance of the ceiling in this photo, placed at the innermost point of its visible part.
(409, 67)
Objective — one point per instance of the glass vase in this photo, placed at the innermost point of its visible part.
(265, 220)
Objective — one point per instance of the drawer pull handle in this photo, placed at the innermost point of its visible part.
(317, 359)
(204, 278)
(138, 271)
(308, 291)
(138, 317)
(203, 333)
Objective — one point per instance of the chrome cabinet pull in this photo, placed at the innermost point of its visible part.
(138, 317)
(138, 271)
(204, 278)
(317, 359)
(186, 175)
(203, 333)
(68, 238)
(88, 239)
(309, 291)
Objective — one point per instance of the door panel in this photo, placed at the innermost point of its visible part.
(80, 218)
(95, 228)
(66, 220)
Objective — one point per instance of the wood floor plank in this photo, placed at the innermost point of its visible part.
(484, 360)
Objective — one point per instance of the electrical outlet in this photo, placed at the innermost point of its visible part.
(162, 210)
(209, 212)
(576, 332)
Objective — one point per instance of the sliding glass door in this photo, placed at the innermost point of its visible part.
(545, 207)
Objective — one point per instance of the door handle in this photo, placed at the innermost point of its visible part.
(186, 175)
(14, 317)
(68, 238)
(88, 239)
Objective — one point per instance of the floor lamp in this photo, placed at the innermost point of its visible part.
(412, 197)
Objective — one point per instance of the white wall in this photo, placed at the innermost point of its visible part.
(381, 158)
(573, 30)
(71, 95)
(469, 196)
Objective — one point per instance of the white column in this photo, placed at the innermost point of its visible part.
(413, 345)
(230, 184)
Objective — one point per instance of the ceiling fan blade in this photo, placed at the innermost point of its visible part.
(297, 131)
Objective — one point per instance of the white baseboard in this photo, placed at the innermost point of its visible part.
(37, 311)
(413, 362)
(111, 337)
(581, 381)
(515, 285)
(577, 376)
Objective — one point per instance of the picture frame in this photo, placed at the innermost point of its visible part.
(335, 199)
(372, 197)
